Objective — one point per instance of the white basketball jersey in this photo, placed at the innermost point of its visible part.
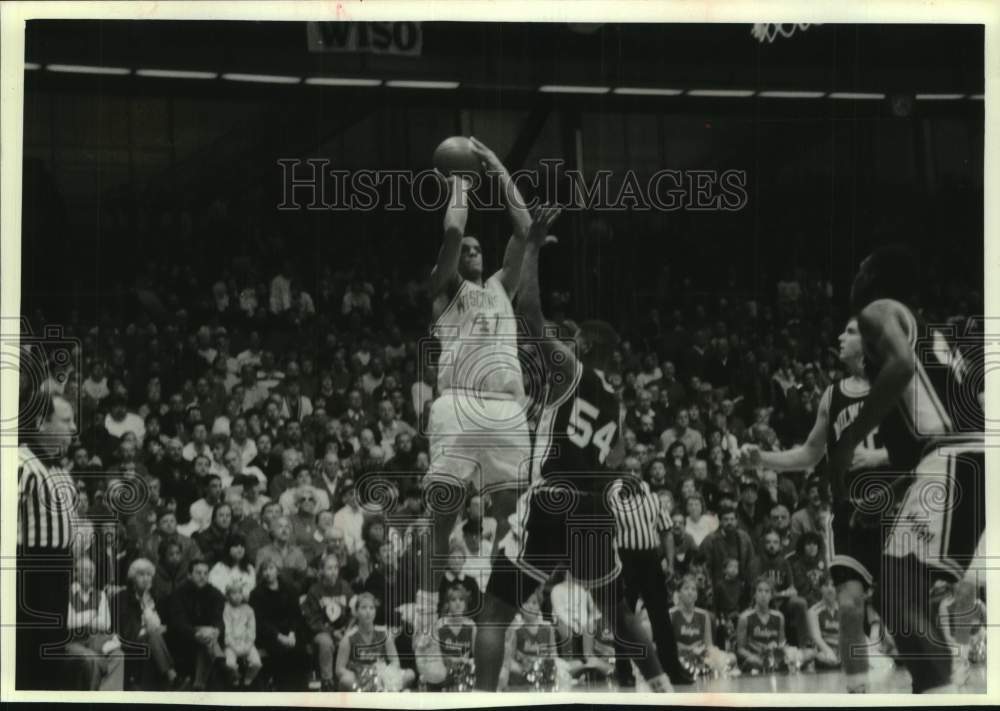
(478, 335)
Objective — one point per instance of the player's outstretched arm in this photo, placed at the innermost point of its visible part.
(509, 273)
(884, 331)
(445, 271)
(529, 303)
(805, 456)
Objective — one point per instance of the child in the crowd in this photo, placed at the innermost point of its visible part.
(730, 600)
(455, 575)
(240, 625)
(530, 639)
(962, 617)
(366, 657)
(326, 613)
(824, 626)
(692, 626)
(456, 635)
(699, 569)
(760, 632)
(91, 639)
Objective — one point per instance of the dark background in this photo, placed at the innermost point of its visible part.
(124, 172)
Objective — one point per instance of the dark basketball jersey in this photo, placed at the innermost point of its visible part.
(577, 432)
(829, 623)
(456, 643)
(942, 403)
(688, 632)
(564, 520)
(761, 634)
(845, 406)
(366, 653)
(529, 645)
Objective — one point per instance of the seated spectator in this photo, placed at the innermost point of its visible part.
(233, 566)
(455, 577)
(760, 633)
(774, 566)
(199, 444)
(684, 546)
(530, 639)
(730, 598)
(697, 523)
(780, 520)
(140, 627)
(249, 487)
(196, 626)
(266, 460)
(682, 432)
(775, 491)
(171, 568)
(293, 440)
(279, 617)
(290, 498)
(213, 540)
(286, 477)
(677, 463)
(368, 651)
(201, 511)
(95, 386)
(91, 640)
(388, 428)
(729, 541)
(456, 632)
(824, 626)
(692, 626)
(119, 420)
(809, 569)
(751, 513)
(240, 633)
(292, 565)
(657, 475)
(256, 528)
(350, 518)
(303, 520)
(223, 423)
(328, 479)
(326, 614)
(814, 515)
(166, 529)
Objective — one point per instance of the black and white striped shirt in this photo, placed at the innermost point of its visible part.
(639, 520)
(46, 504)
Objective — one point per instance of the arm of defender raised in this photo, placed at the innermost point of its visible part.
(529, 303)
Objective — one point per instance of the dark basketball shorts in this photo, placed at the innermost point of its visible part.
(555, 529)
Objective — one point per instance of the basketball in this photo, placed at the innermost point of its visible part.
(455, 153)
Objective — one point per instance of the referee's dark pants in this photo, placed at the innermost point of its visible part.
(43, 580)
(643, 575)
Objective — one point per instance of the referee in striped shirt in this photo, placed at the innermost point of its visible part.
(46, 505)
(642, 535)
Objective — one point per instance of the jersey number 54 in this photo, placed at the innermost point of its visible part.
(580, 429)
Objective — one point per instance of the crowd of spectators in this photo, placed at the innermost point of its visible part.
(228, 429)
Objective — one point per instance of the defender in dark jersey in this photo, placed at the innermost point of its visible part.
(927, 403)
(854, 545)
(563, 522)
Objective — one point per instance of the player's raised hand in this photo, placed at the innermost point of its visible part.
(485, 155)
(542, 218)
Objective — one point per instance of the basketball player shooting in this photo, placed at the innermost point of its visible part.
(854, 551)
(478, 431)
(558, 523)
(928, 408)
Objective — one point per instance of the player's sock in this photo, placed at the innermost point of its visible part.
(857, 683)
(660, 684)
